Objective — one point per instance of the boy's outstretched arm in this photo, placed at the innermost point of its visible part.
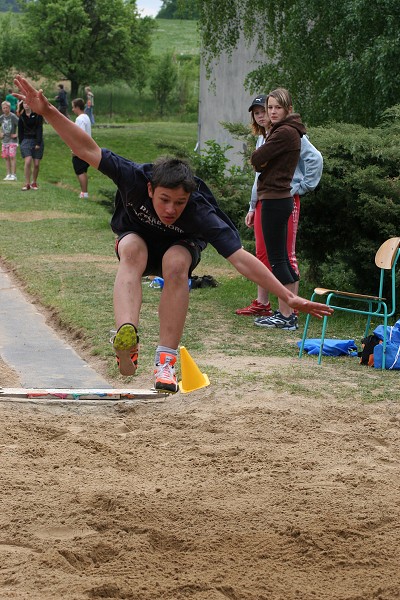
(78, 140)
(252, 268)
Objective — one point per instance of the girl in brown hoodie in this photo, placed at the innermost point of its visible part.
(276, 160)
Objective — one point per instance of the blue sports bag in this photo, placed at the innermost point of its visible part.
(331, 347)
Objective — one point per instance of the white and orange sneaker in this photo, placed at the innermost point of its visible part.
(164, 374)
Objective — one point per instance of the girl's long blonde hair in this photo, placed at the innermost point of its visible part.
(283, 98)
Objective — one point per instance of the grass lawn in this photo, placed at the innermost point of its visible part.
(176, 35)
(61, 248)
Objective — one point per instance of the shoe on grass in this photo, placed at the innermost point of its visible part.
(256, 309)
(279, 321)
(26, 187)
(126, 346)
(164, 374)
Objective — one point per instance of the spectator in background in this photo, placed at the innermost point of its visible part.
(89, 107)
(62, 100)
(305, 179)
(9, 140)
(276, 161)
(30, 136)
(12, 100)
(81, 166)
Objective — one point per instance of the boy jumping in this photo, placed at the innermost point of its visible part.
(164, 217)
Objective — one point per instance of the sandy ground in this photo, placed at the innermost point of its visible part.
(222, 494)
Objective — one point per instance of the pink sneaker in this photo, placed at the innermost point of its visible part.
(256, 309)
(34, 186)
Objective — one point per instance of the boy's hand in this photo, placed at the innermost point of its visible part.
(34, 98)
(314, 308)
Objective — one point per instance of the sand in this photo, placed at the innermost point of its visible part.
(226, 493)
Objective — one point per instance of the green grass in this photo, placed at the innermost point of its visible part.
(61, 249)
(178, 36)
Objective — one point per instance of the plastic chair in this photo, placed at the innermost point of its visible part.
(376, 306)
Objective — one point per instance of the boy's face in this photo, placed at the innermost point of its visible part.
(169, 203)
(5, 108)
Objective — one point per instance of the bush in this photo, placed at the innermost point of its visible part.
(354, 210)
(356, 206)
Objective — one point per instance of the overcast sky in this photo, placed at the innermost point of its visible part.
(149, 7)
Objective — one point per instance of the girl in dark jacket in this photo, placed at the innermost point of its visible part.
(30, 137)
(276, 160)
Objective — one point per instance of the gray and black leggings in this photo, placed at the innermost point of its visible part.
(274, 219)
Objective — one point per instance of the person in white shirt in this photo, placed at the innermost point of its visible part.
(81, 166)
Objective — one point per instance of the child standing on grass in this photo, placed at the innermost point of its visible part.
(305, 179)
(276, 160)
(30, 136)
(89, 106)
(9, 140)
(80, 166)
(164, 217)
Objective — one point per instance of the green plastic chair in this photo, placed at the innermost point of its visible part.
(376, 306)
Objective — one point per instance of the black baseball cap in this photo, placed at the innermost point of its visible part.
(258, 101)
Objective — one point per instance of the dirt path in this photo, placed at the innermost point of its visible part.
(225, 493)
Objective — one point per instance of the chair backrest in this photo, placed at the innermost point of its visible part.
(386, 259)
(386, 254)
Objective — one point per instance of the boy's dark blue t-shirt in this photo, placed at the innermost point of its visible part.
(201, 221)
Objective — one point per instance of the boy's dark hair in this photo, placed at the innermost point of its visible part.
(79, 103)
(172, 173)
(61, 86)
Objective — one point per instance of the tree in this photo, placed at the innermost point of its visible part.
(339, 59)
(85, 41)
(179, 9)
(9, 49)
(163, 80)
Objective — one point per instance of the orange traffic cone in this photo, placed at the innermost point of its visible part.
(192, 378)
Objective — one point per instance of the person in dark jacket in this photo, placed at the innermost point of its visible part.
(62, 100)
(276, 161)
(30, 137)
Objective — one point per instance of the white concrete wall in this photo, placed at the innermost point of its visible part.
(223, 97)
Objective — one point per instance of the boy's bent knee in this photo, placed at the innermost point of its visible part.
(176, 263)
(130, 246)
(131, 251)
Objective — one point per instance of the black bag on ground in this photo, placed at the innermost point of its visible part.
(203, 282)
(367, 353)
